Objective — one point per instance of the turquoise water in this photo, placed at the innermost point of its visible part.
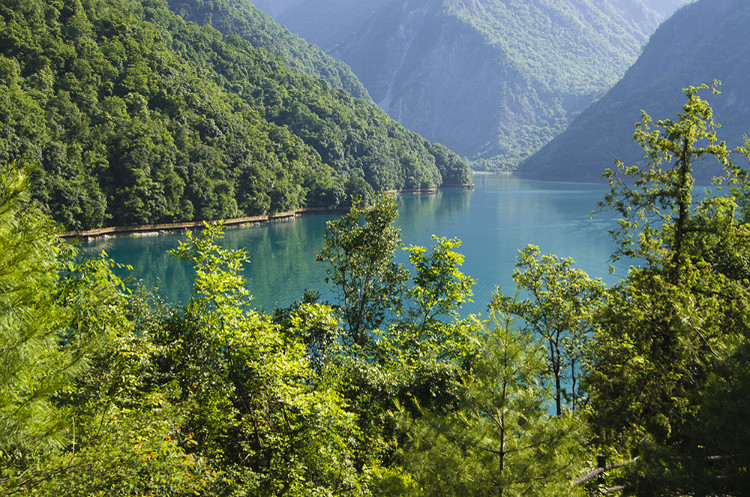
(500, 216)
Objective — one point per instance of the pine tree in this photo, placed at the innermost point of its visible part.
(499, 440)
(33, 365)
(55, 313)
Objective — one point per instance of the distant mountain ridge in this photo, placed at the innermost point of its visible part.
(703, 41)
(492, 79)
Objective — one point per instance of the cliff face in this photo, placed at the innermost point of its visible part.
(419, 72)
(492, 79)
(703, 41)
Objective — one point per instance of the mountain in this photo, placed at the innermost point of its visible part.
(492, 79)
(132, 115)
(703, 41)
(240, 17)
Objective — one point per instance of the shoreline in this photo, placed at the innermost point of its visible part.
(144, 230)
(238, 222)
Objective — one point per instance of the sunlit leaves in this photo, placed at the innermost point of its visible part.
(439, 287)
(359, 250)
(555, 302)
(656, 201)
(254, 403)
(671, 326)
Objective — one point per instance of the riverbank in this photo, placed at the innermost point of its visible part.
(162, 228)
(239, 222)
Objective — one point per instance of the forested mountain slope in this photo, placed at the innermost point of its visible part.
(136, 116)
(492, 79)
(241, 18)
(703, 41)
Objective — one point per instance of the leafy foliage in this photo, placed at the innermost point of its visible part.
(252, 406)
(403, 336)
(33, 366)
(243, 19)
(499, 439)
(680, 316)
(56, 312)
(359, 249)
(389, 390)
(61, 433)
(558, 309)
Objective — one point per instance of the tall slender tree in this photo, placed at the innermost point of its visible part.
(682, 310)
(555, 302)
(359, 250)
(499, 439)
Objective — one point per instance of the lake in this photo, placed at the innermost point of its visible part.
(496, 219)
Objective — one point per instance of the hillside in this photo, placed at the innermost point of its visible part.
(703, 41)
(493, 79)
(241, 18)
(135, 116)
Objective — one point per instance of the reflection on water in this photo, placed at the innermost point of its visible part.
(496, 219)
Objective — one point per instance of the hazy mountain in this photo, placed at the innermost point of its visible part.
(707, 40)
(492, 79)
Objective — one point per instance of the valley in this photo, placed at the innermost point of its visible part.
(478, 300)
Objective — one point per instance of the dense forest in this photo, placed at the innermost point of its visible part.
(133, 115)
(566, 387)
(241, 18)
(703, 41)
(494, 80)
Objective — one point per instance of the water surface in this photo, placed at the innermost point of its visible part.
(496, 219)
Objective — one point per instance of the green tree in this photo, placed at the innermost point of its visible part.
(412, 341)
(558, 306)
(137, 116)
(498, 438)
(396, 318)
(359, 250)
(32, 364)
(60, 316)
(56, 313)
(722, 431)
(656, 202)
(681, 313)
(429, 342)
(256, 409)
(125, 436)
(439, 287)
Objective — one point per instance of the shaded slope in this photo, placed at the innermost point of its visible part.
(703, 41)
